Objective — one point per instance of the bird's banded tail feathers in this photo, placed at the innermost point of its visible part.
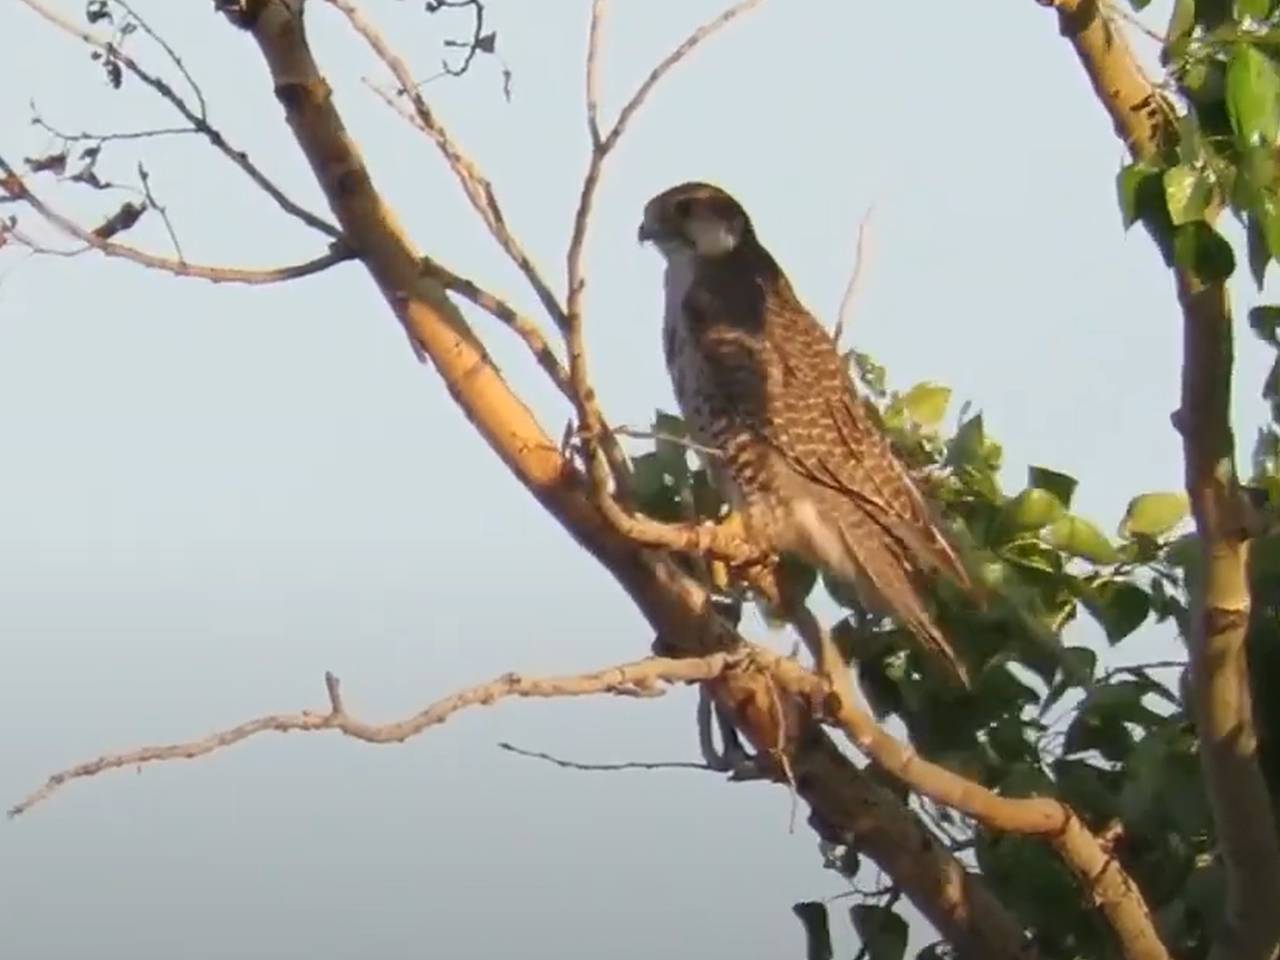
(855, 550)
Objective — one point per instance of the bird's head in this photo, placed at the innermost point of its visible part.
(694, 219)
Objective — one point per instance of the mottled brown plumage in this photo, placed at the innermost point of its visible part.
(759, 379)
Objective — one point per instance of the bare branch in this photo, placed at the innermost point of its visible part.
(598, 8)
(638, 434)
(1116, 10)
(643, 678)
(198, 121)
(609, 767)
(495, 306)
(472, 45)
(690, 43)
(99, 239)
(164, 213)
(855, 277)
(603, 459)
(101, 138)
(479, 191)
(171, 53)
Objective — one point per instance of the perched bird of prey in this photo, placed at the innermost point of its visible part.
(759, 380)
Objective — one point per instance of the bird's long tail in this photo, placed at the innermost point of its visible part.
(858, 552)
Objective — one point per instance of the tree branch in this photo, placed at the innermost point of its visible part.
(198, 120)
(1220, 598)
(643, 678)
(479, 191)
(12, 185)
(608, 767)
(524, 327)
(601, 453)
(1100, 875)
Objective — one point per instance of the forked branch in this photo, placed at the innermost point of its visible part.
(99, 238)
(643, 678)
(196, 117)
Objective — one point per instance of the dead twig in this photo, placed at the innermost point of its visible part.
(642, 678)
(603, 459)
(196, 118)
(98, 238)
(477, 188)
(855, 277)
(164, 213)
(495, 306)
(609, 767)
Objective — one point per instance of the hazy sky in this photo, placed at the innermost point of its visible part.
(210, 495)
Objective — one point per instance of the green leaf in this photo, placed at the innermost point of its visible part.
(1212, 14)
(965, 448)
(1080, 538)
(1257, 9)
(927, 403)
(1187, 192)
(1133, 184)
(671, 446)
(1182, 20)
(1267, 210)
(1032, 509)
(1061, 485)
(1154, 514)
(1265, 321)
(1204, 81)
(1253, 96)
(883, 932)
(1199, 248)
(1033, 555)
(817, 930)
(1119, 606)
(1255, 175)
(870, 373)
(1259, 250)
(1077, 669)
(1091, 790)
(1108, 735)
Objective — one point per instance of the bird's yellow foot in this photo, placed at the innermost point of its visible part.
(731, 531)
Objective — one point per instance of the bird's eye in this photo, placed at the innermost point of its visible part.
(683, 208)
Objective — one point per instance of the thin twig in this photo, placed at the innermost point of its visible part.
(638, 434)
(495, 306)
(479, 191)
(603, 459)
(13, 186)
(164, 213)
(855, 278)
(1116, 10)
(669, 61)
(196, 119)
(593, 73)
(609, 767)
(101, 138)
(172, 54)
(642, 678)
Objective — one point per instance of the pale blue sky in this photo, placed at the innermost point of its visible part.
(211, 495)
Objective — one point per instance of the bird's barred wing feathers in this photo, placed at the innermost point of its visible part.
(811, 416)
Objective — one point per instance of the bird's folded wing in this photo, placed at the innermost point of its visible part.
(790, 388)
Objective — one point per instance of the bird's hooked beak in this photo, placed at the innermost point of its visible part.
(647, 232)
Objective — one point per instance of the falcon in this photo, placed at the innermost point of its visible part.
(759, 381)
